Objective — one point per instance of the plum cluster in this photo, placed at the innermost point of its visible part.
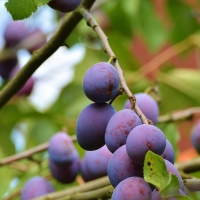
(100, 84)
(125, 167)
(64, 160)
(121, 133)
(17, 34)
(94, 164)
(64, 165)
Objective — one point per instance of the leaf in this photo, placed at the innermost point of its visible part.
(150, 25)
(182, 93)
(172, 187)
(20, 9)
(179, 20)
(116, 19)
(155, 171)
(172, 134)
(41, 2)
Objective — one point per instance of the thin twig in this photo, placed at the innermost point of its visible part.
(39, 56)
(189, 166)
(27, 154)
(91, 22)
(13, 195)
(179, 115)
(101, 193)
(120, 92)
(91, 185)
(166, 55)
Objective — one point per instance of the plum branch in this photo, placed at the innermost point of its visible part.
(39, 56)
(189, 166)
(166, 55)
(92, 22)
(27, 154)
(179, 115)
(89, 186)
(101, 193)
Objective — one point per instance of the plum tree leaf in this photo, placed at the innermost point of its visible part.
(171, 188)
(21, 9)
(155, 171)
(41, 2)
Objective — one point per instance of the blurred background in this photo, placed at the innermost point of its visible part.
(157, 45)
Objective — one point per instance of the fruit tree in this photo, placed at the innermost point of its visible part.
(100, 100)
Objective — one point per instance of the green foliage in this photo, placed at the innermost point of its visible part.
(155, 172)
(183, 22)
(150, 25)
(21, 9)
(172, 134)
(178, 88)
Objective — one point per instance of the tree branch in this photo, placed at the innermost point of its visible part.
(166, 55)
(39, 56)
(91, 185)
(192, 184)
(101, 193)
(179, 115)
(27, 153)
(91, 22)
(189, 166)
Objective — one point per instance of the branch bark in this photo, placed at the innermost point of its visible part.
(179, 115)
(39, 56)
(89, 186)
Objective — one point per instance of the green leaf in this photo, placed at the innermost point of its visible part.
(183, 22)
(172, 187)
(180, 197)
(41, 2)
(155, 171)
(21, 9)
(150, 25)
(172, 134)
(182, 93)
(122, 22)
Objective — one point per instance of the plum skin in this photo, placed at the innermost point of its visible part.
(36, 186)
(143, 138)
(64, 5)
(101, 82)
(91, 125)
(118, 128)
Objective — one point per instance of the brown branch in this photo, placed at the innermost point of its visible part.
(166, 55)
(91, 22)
(39, 56)
(91, 185)
(13, 195)
(189, 166)
(101, 193)
(179, 115)
(192, 184)
(27, 154)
